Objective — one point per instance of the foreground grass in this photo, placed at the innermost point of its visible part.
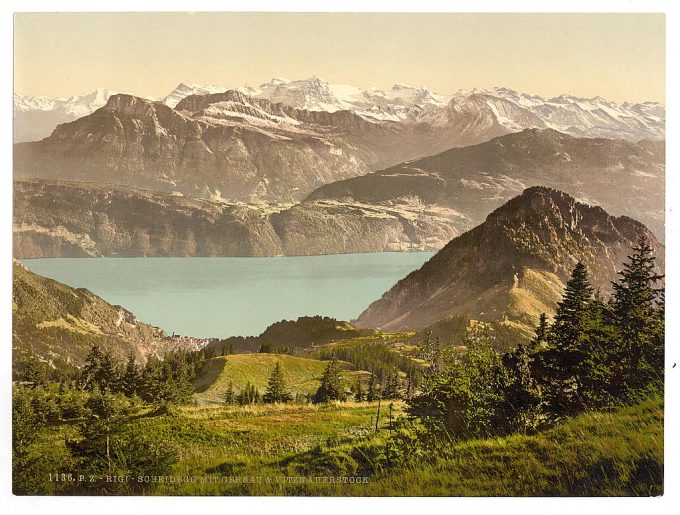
(302, 449)
(597, 454)
(270, 442)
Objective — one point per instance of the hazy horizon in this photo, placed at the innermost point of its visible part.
(620, 57)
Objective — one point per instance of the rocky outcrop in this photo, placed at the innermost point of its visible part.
(513, 266)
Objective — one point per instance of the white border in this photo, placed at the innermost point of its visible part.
(70, 505)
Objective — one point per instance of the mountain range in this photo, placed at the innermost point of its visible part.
(513, 266)
(289, 168)
(245, 148)
(77, 219)
(36, 117)
(623, 177)
(417, 205)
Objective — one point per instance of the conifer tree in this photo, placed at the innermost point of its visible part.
(391, 390)
(100, 369)
(636, 305)
(359, 393)
(132, 377)
(331, 387)
(523, 396)
(166, 381)
(229, 396)
(599, 372)
(249, 395)
(410, 386)
(541, 331)
(276, 389)
(568, 320)
(373, 389)
(566, 354)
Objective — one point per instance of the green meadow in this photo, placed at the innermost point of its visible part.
(304, 449)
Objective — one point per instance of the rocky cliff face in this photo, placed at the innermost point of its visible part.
(623, 177)
(68, 219)
(134, 142)
(58, 325)
(418, 205)
(513, 266)
(226, 145)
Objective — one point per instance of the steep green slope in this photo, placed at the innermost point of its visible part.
(55, 324)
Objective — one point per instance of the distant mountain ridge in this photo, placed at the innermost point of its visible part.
(77, 219)
(621, 176)
(36, 117)
(577, 116)
(237, 148)
(417, 205)
(244, 148)
(513, 266)
(511, 110)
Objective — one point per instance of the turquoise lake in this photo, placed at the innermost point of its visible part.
(220, 297)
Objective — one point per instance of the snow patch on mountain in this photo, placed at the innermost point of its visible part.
(184, 90)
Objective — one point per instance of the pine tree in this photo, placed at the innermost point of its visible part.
(101, 370)
(373, 389)
(167, 381)
(599, 372)
(636, 305)
(522, 394)
(90, 369)
(276, 389)
(152, 380)
(132, 377)
(359, 393)
(249, 395)
(410, 386)
(391, 390)
(229, 396)
(565, 355)
(331, 387)
(570, 311)
(541, 331)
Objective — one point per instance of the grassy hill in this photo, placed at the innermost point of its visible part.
(303, 333)
(55, 325)
(302, 375)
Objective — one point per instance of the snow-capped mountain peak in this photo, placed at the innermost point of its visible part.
(502, 106)
(183, 90)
